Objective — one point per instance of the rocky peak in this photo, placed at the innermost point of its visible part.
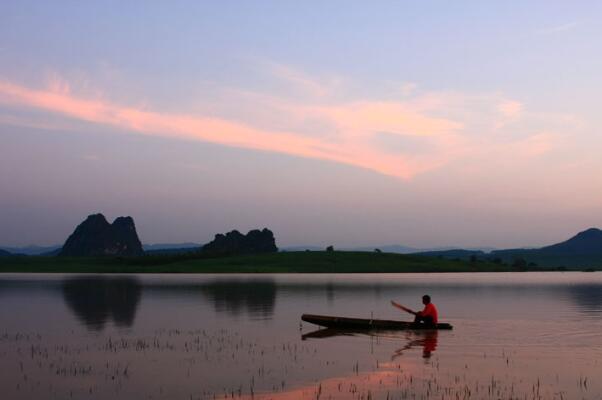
(234, 242)
(97, 237)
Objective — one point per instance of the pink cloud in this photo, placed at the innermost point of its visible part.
(352, 146)
(387, 117)
(300, 81)
(537, 144)
(510, 108)
(425, 132)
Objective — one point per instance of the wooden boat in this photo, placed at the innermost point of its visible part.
(367, 324)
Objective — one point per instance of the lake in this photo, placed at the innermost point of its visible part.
(516, 335)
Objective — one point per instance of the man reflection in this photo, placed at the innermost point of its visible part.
(426, 339)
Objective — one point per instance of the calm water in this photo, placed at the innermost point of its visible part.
(517, 335)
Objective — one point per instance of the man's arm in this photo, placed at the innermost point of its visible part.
(394, 304)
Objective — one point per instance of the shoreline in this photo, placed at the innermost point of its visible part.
(280, 262)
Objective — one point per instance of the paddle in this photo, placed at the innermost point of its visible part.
(394, 304)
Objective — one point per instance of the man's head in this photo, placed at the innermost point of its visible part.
(426, 299)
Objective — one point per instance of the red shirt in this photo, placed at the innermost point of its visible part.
(430, 311)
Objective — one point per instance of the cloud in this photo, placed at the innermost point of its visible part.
(91, 157)
(510, 108)
(408, 88)
(558, 28)
(299, 80)
(538, 144)
(347, 148)
(425, 131)
(28, 122)
(508, 111)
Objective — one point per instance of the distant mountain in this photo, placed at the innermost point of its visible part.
(96, 237)
(51, 253)
(31, 250)
(393, 248)
(169, 246)
(174, 251)
(155, 248)
(453, 253)
(303, 248)
(234, 242)
(4, 253)
(583, 250)
(413, 250)
(588, 242)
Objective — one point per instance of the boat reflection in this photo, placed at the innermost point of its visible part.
(330, 332)
(427, 340)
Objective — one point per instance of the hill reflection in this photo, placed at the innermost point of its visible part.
(96, 300)
(587, 297)
(256, 297)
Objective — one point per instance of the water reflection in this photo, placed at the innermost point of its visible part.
(427, 340)
(98, 299)
(95, 300)
(588, 298)
(513, 332)
(329, 332)
(256, 297)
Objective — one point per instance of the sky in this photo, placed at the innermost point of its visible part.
(426, 124)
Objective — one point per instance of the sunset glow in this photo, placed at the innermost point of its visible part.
(421, 125)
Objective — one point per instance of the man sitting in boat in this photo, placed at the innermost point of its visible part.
(427, 317)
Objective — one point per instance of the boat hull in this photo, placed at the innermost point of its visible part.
(367, 324)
